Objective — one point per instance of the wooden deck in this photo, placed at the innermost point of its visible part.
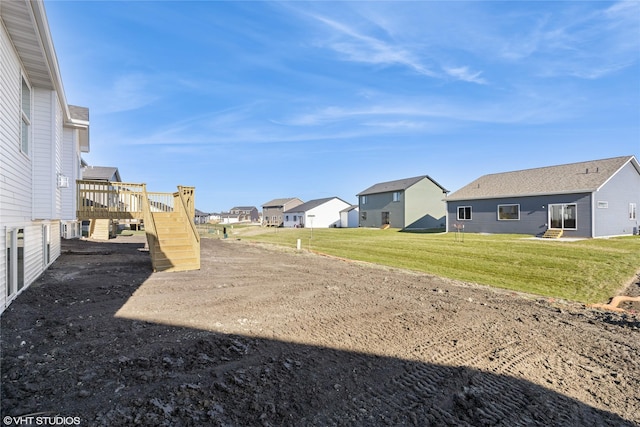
(100, 200)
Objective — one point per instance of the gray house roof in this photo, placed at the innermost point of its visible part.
(101, 173)
(79, 113)
(350, 208)
(398, 185)
(311, 204)
(278, 202)
(583, 177)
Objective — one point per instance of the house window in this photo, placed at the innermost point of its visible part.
(632, 211)
(464, 213)
(286, 218)
(363, 200)
(363, 215)
(26, 116)
(508, 212)
(295, 218)
(603, 205)
(396, 196)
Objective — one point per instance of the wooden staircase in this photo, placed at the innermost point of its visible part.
(552, 233)
(173, 240)
(100, 229)
(173, 248)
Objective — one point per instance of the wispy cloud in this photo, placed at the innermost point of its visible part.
(580, 42)
(126, 93)
(464, 74)
(359, 47)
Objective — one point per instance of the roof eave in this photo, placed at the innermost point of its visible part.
(513, 196)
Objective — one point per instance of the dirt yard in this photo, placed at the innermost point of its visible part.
(262, 336)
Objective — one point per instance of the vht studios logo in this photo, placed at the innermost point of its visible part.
(41, 420)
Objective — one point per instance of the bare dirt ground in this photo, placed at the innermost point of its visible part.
(267, 337)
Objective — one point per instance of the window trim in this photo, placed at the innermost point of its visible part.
(363, 199)
(633, 211)
(517, 205)
(465, 208)
(603, 204)
(395, 197)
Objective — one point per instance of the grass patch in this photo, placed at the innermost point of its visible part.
(586, 271)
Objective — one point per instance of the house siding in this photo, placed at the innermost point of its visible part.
(349, 219)
(379, 203)
(534, 215)
(71, 164)
(28, 196)
(326, 215)
(70, 169)
(15, 171)
(425, 207)
(623, 188)
(420, 206)
(44, 155)
(277, 212)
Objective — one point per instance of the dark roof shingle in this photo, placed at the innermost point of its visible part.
(397, 185)
(582, 177)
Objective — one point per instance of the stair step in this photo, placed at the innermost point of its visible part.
(552, 234)
(173, 249)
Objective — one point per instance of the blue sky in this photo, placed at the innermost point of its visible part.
(250, 101)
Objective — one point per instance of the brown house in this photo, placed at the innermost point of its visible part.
(272, 211)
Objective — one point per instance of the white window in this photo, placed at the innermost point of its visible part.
(26, 116)
(396, 196)
(508, 212)
(632, 211)
(603, 205)
(464, 213)
(363, 200)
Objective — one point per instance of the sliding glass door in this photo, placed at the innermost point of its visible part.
(563, 216)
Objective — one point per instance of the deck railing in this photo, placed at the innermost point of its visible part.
(109, 200)
(120, 200)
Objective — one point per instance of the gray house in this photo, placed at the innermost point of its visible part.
(588, 199)
(272, 211)
(412, 203)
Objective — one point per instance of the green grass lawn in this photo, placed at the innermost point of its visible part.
(586, 271)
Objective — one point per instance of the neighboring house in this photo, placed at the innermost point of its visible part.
(229, 218)
(320, 213)
(587, 199)
(201, 217)
(101, 173)
(349, 217)
(103, 229)
(273, 211)
(246, 213)
(413, 203)
(41, 141)
(74, 142)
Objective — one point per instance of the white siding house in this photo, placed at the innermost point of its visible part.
(40, 146)
(349, 217)
(319, 213)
